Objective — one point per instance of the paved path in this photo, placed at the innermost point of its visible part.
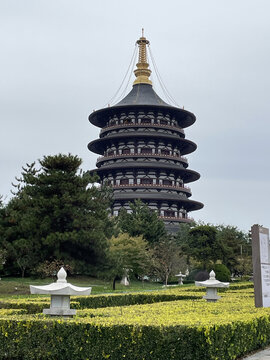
(261, 355)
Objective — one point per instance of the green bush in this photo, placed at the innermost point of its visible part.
(35, 339)
(222, 272)
(36, 305)
(31, 306)
(99, 301)
(188, 281)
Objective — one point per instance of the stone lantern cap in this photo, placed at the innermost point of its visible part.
(60, 287)
(212, 282)
(181, 275)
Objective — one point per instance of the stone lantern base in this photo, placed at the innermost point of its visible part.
(211, 295)
(60, 306)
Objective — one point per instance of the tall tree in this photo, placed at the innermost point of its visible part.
(236, 248)
(166, 258)
(57, 213)
(141, 221)
(127, 252)
(203, 245)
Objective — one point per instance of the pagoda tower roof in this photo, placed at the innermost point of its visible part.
(142, 95)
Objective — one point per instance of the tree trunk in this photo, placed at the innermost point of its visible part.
(114, 281)
(166, 280)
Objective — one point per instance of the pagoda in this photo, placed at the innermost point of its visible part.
(143, 146)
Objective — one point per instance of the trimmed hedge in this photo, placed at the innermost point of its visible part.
(35, 339)
(36, 305)
(31, 306)
(186, 330)
(100, 301)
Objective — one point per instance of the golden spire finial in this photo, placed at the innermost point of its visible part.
(142, 72)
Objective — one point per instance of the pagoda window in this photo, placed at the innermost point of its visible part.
(124, 181)
(126, 151)
(146, 151)
(146, 181)
(169, 213)
(163, 122)
(110, 153)
(146, 121)
(128, 121)
(165, 152)
(167, 182)
(112, 122)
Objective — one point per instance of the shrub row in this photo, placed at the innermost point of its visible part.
(31, 306)
(98, 301)
(233, 286)
(35, 339)
(174, 330)
(36, 305)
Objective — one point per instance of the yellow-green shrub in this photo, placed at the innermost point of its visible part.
(186, 330)
(37, 304)
(31, 305)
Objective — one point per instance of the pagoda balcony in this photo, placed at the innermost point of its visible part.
(175, 218)
(157, 126)
(153, 186)
(137, 155)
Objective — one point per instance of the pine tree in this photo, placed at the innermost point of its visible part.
(57, 213)
(141, 221)
(203, 245)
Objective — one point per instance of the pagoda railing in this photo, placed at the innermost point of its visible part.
(164, 156)
(174, 187)
(121, 126)
(175, 218)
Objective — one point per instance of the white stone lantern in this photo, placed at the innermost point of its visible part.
(180, 278)
(211, 287)
(60, 292)
(124, 280)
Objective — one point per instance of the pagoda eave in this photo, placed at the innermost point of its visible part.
(186, 146)
(186, 174)
(183, 117)
(189, 205)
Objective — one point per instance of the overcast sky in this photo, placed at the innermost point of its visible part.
(60, 59)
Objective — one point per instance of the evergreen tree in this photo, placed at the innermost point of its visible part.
(236, 248)
(57, 213)
(203, 245)
(141, 221)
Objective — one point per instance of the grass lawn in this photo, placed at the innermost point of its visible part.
(20, 286)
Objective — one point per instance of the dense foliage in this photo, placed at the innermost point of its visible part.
(56, 214)
(127, 253)
(222, 272)
(207, 245)
(225, 330)
(166, 258)
(141, 221)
